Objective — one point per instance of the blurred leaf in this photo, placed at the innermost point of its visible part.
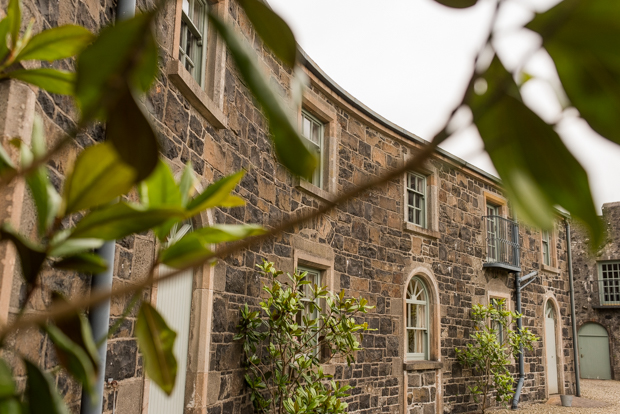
(537, 170)
(119, 220)
(6, 164)
(52, 80)
(457, 4)
(14, 17)
(582, 38)
(197, 244)
(217, 194)
(146, 67)
(62, 247)
(120, 52)
(274, 31)
(132, 135)
(11, 406)
(31, 256)
(83, 262)
(46, 199)
(287, 141)
(160, 189)
(41, 392)
(73, 358)
(186, 185)
(4, 32)
(56, 43)
(156, 341)
(99, 176)
(77, 329)
(7, 383)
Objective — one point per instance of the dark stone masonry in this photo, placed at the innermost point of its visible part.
(366, 246)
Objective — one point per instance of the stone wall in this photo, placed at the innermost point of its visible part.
(585, 268)
(364, 245)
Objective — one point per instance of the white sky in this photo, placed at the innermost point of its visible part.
(409, 61)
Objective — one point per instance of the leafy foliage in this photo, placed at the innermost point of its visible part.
(284, 344)
(487, 354)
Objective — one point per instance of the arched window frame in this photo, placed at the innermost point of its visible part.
(426, 329)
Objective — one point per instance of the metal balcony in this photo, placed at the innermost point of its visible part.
(502, 241)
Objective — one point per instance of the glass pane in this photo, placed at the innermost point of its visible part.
(316, 134)
(418, 345)
(417, 217)
(186, 6)
(421, 322)
(412, 315)
(198, 16)
(420, 186)
(417, 201)
(305, 130)
(410, 219)
(411, 341)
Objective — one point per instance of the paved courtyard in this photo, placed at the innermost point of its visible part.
(598, 397)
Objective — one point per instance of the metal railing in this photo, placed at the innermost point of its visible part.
(609, 291)
(502, 242)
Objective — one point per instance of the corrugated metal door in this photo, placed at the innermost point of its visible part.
(594, 352)
(552, 360)
(174, 299)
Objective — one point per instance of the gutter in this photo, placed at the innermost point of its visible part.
(99, 316)
(572, 308)
(515, 400)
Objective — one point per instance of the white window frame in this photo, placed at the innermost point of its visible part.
(314, 276)
(199, 41)
(416, 192)
(317, 148)
(546, 247)
(417, 356)
(609, 282)
(492, 226)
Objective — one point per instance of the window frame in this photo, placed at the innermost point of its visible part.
(495, 209)
(425, 355)
(317, 178)
(423, 195)
(546, 247)
(500, 328)
(613, 283)
(188, 24)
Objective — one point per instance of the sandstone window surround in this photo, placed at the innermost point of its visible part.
(424, 190)
(548, 251)
(431, 358)
(198, 67)
(314, 109)
(493, 298)
(494, 205)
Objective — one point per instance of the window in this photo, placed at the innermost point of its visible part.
(312, 130)
(192, 47)
(416, 199)
(417, 303)
(609, 283)
(499, 304)
(492, 232)
(545, 248)
(310, 311)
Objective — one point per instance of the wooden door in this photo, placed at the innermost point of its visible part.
(550, 344)
(594, 360)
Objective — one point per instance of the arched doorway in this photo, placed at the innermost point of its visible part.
(551, 347)
(594, 352)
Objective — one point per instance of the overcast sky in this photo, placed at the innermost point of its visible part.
(409, 61)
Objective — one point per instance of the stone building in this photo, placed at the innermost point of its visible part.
(597, 294)
(424, 229)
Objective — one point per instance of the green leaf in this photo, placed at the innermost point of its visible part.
(121, 51)
(6, 164)
(274, 31)
(14, 17)
(4, 32)
(99, 176)
(582, 38)
(122, 219)
(457, 4)
(31, 256)
(56, 43)
(537, 170)
(11, 406)
(217, 194)
(288, 143)
(156, 341)
(63, 247)
(7, 384)
(73, 358)
(52, 80)
(131, 133)
(160, 189)
(186, 185)
(83, 262)
(41, 392)
(197, 244)
(46, 199)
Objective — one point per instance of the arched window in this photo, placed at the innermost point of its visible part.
(417, 320)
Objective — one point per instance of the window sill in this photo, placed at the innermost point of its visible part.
(550, 269)
(605, 306)
(422, 365)
(315, 191)
(421, 231)
(195, 94)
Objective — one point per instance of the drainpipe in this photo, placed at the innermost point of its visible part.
(572, 308)
(515, 400)
(99, 316)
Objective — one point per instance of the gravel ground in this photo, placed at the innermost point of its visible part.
(604, 391)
